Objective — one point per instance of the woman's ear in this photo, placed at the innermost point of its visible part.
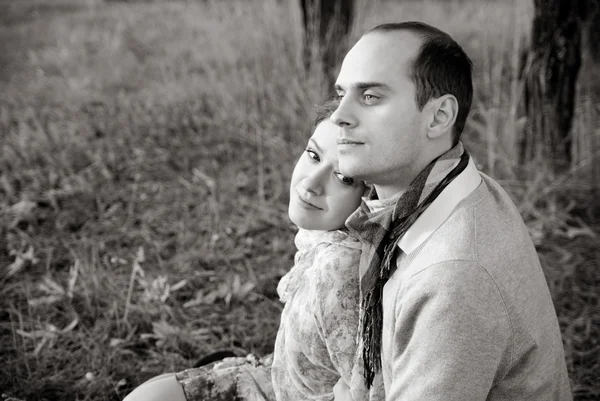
(445, 111)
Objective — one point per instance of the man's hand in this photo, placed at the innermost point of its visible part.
(341, 391)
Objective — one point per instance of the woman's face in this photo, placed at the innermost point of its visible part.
(321, 198)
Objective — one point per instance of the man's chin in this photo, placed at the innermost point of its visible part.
(352, 170)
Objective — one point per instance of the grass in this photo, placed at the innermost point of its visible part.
(146, 152)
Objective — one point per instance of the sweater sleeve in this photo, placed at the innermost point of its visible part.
(451, 335)
(337, 312)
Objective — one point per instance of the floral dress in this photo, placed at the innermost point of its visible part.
(317, 339)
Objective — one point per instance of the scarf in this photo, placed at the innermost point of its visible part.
(381, 230)
(306, 242)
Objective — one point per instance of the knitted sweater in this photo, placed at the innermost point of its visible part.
(467, 314)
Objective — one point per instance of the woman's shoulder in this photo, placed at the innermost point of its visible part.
(337, 260)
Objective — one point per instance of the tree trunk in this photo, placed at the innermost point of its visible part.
(550, 80)
(326, 27)
(590, 16)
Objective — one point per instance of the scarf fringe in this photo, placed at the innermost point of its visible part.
(371, 324)
(373, 320)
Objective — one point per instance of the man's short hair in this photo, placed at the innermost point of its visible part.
(440, 67)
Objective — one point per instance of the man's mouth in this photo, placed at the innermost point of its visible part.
(343, 141)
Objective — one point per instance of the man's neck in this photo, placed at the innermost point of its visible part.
(388, 191)
(402, 179)
(399, 181)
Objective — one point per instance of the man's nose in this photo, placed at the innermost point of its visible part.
(315, 181)
(344, 116)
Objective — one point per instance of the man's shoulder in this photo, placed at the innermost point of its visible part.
(486, 218)
(485, 228)
(486, 237)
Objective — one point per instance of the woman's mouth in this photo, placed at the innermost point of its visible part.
(306, 204)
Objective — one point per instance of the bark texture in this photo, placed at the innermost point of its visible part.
(550, 79)
(326, 27)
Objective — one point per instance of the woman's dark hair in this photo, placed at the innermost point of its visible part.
(440, 67)
(324, 111)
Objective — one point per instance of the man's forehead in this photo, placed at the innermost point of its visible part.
(379, 56)
(399, 43)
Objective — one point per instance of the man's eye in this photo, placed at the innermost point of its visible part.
(370, 98)
(344, 179)
(313, 155)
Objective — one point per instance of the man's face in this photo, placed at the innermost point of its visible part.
(382, 132)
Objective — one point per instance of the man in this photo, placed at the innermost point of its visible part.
(455, 303)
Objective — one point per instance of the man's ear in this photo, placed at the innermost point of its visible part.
(444, 112)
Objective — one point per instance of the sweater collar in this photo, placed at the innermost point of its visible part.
(439, 210)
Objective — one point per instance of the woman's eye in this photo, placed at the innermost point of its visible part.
(312, 154)
(344, 179)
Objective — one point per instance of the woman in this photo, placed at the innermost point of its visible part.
(316, 345)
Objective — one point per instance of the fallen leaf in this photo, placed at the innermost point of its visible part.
(49, 286)
(573, 232)
(45, 300)
(199, 176)
(22, 260)
(22, 211)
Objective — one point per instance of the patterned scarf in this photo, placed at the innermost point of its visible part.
(380, 231)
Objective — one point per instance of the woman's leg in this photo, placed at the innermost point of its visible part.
(160, 388)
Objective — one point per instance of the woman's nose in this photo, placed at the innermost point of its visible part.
(315, 182)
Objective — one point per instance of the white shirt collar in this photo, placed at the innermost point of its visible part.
(439, 210)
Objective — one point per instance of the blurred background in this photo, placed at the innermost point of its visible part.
(145, 155)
